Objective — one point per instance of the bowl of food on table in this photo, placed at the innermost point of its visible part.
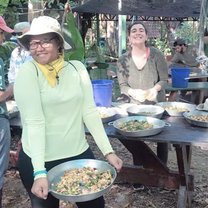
(81, 180)
(146, 110)
(138, 126)
(176, 108)
(107, 114)
(197, 118)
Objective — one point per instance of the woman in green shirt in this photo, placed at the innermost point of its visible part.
(55, 100)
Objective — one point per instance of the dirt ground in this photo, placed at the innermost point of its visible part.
(124, 195)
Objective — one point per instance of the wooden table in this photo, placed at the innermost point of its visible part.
(192, 86)
(153, 172)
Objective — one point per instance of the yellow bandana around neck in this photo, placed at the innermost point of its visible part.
(51, 70)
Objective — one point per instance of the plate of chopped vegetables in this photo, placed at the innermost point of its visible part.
(81, 180)
(139, 126)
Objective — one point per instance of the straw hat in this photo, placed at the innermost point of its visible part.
(4, 26)
(42, 25)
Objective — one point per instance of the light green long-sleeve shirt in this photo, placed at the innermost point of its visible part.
(53, 118)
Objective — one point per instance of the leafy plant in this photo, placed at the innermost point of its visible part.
(5, 53)
(3, 6)
(188, 31)
(163, 46)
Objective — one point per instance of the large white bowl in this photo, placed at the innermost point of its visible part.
(171, 108)
(146, 110)
(107, 114)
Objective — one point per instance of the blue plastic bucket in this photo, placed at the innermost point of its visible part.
(102, 92)
(179, 77)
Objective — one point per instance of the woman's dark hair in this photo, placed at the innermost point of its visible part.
(136, 23)
(59, 42)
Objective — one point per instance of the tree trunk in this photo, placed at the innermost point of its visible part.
(35, 9)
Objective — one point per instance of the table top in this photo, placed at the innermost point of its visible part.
(191, 86)
(179, 131)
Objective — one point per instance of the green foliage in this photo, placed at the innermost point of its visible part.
(78, 51)
(5, 53)
(188, 31)
(52, 4)
(10, 10)
(163, 46)
(3, 6)
(95, 53)
(6, 48)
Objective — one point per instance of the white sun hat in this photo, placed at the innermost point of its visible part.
(42, 25)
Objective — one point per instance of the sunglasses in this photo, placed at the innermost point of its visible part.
(17, 33)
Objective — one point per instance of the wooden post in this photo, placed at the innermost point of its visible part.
(35, 9)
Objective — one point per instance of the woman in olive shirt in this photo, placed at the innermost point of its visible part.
(143, 73)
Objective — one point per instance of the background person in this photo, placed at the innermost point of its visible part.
(142, 74)
(18, 57)
(4, 123)
(54, 112)
(184, 55)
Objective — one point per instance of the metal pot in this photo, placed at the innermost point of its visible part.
(55, 174)
(146, 110)
(187, 116)
(171, 112)
(158, 126)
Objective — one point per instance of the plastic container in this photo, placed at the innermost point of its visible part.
(179, 77)
(102, 91)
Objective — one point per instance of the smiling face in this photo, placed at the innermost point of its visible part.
(137, 34)
(44, 48)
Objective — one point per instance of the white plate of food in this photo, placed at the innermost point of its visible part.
(107, 114)
(146, 110)
(176, 108)
(197, 118)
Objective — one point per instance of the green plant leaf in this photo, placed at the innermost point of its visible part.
(77, 52)
(3, 6)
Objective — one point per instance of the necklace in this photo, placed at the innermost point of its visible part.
(52, 68)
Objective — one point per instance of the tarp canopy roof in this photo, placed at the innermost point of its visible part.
(153, 8)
